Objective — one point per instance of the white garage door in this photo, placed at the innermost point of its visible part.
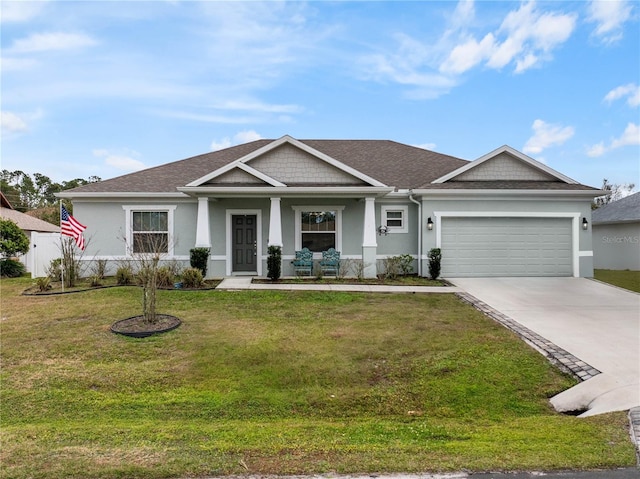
(506, 247)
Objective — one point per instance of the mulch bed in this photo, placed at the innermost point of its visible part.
(138, 327)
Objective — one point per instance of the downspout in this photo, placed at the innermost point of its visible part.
(411, 198)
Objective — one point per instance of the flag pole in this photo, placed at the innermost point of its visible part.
(61, 248)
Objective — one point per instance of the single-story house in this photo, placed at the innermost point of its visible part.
(504, 214)
(616, 234)
(40, 233)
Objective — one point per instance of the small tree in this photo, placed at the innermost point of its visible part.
(435, 256)
(274, 263)
(147, 250)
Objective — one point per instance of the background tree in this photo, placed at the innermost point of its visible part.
(32, 191)
(615, 193)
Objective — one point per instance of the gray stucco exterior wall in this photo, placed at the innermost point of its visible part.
(617, 246)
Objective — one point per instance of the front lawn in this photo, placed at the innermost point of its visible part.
(258, 382)
(626, 279)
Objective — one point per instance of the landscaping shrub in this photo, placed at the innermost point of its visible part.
(95, 280)
(43, 283)
(10, 268)
(199, 258)
(192, 278)
(54, 270)
(274, 263)
(164, 278)
(435, 256)
(124, 275)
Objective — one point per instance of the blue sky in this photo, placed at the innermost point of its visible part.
(105, 87)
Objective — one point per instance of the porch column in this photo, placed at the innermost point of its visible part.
(369, 244)
(203, 234)
(275, 224)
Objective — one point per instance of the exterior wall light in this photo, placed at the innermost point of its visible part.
(429, 224)
(585, 224)
(382, 230)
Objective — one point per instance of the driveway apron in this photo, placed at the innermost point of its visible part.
(596, 322)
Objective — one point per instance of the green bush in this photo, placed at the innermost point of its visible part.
(274, 263)
(192, 278)
(435, 256)
(124, 275)
(10, 268)
(199, 258)
(95, 280)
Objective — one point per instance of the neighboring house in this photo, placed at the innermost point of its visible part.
(41, 235)
(616, 234)
(503, 214)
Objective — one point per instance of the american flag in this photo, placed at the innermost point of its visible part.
(69, 226)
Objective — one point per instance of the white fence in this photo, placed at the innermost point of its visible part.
(43, 248)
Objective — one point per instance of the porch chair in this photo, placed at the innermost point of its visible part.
(303, 264)
(330, 263)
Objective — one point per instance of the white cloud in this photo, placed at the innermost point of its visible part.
(546, 135)
(238, 139)
(51, 41)
(20, 11)
(609, 17)
(120, 160)
(526, 37)
(12, 123)
(597, 150)
(16, 123)
(631, 91)
(426, 146)
(469, 54)
(630, 137)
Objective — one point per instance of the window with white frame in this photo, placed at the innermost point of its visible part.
(149, 229)
(395, 218)
(318, 228)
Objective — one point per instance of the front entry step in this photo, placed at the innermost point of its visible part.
(235, 282)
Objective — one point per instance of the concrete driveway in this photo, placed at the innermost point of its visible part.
(598, 323)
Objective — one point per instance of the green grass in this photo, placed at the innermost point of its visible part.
(280, 382)
(624, 279)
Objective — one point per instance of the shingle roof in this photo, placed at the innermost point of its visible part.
(394, 164)
(28, 223)
(626, 209)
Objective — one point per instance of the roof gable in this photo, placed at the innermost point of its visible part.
(505, 164)
(287, 161)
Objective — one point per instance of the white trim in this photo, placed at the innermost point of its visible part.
(585, 253)
(515, 195)
(298, 222)
(123, 194)
(513, 152)
(128, 228)
(229, 257)
(286, 191)
(575, 226)
(385, 208)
